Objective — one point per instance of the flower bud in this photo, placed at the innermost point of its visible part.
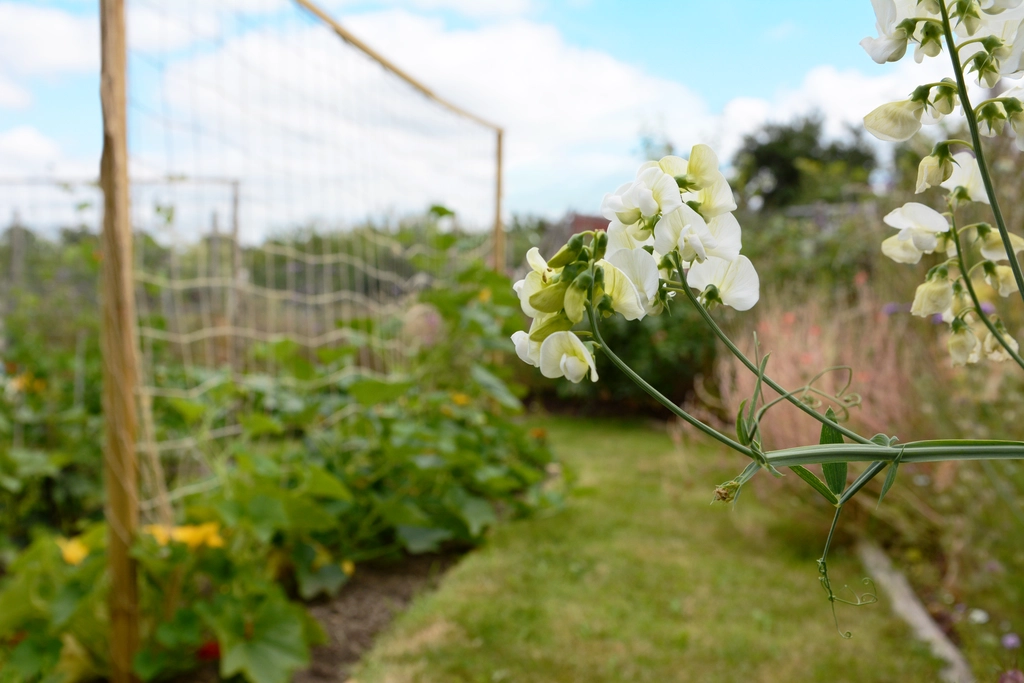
(933, 296)
(550, 325)
(576, 296)
(600, 245)
(550, 299)
(568, 253)
(961, 343)
(933, 170)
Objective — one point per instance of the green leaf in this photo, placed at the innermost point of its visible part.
(184, 630)
(883, 440)
(477, 513)
(267, 515)
(816, 484)
(370, 392)
(418, 539)
(34, 655)
(323, 484)
(494, 387)
(327, 579)
(273, 648)
(259, 424)
(190, 411)
(835, 472)
(307, 515)
(890, 477)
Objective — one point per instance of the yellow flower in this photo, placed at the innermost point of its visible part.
(73, 550)
(461, 399)
(485, 295)
(192, 535)
(22, 382)
(161, 533)
(195, 536)
(349, 567)
(39, 386)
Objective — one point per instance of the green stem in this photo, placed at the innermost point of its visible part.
(915, 451)
(977, 302)
(972, 124)
(956, 141)
(861, 481)
(753, 368)
(661, 398)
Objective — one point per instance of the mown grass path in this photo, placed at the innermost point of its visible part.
(640, 579)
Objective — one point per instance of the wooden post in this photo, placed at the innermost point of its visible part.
(500, 264)
(120, 362)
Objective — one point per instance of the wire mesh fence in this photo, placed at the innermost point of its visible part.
(291, 195)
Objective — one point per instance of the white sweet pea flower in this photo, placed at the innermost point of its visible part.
(642, 270)
(715, 199)
(891, 43)
(998, 6)
(697, 172)
(563, 355)
(1016, 118)
(901, 251)
(653, 192)
(1003, 281)
(895, 121)
(992, 246)
(621, 205)
(527, 350)
(728, 236)
(626, 297)
(919, 224)
(538, 278)
(627, 237)
(736, 281)
(656, 192)
(933, 171)
(933, 296)
(967, 175)
(994, 351)
(685, 230)
(962, 343)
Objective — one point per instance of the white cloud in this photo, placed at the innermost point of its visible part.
(317, 132)
(478, 9)
(12, 95)
(43, 41)
(24, 148)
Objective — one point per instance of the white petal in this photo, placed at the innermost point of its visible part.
(528, 351)
(895, 121)
(624, 294)
(673, 165)
(716, 198)
(530, 285)
(728, 236)
(553, 353)
(737, 281)
(641, 269)
(536, 261)
(702, 168)
(901, 251)
(967, 174)
(916, 216)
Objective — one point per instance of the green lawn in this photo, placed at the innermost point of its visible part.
(640, 579)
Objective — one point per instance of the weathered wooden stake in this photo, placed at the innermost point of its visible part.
(500, 264)
(120, 362)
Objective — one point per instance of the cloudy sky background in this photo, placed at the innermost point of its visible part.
(573, 82)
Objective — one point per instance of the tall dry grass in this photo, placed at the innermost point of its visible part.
(892, 360)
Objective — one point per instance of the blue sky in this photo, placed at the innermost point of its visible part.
(692, 70)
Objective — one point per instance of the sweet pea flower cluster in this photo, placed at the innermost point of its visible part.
(989, 40)
(673, 220)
